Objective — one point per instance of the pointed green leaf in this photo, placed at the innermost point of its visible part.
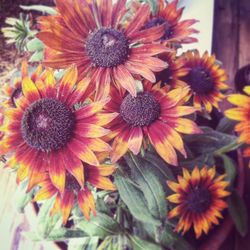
(86, 243)
(35, 45)
(135, 200)
(36, 57)
(140, 244)
(230, 168)
(150, 185)
(41, 8)
(159, 166)
(211, 141)
(22, 198)
(238, 212)
(100, 225)
(46, 222)
(226, 125)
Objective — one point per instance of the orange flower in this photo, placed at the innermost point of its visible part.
(155, 114)
(93, 36)
(175, 31)
(241, 114)
(200, 200)
(206, 79)
(95, 175)
(45, 132)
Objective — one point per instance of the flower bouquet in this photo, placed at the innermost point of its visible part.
(115, 136)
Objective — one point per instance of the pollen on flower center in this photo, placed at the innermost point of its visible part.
(71, 183)
(159, 21)
(47, 125)
(199, 80)
(141, 110)
(199, 199)
(107, 47)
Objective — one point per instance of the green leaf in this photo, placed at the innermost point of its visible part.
(22, 198)
(35, 45)
(211, 141)
(200, 161)
(36, 57)
(135, 200)
(100, 225)
(159, 166)
(62, 234)
(174, 240)
(230, 168)
(140, 244)
(238, 212)
(102, 207)
(151, 187)
(46, 222)
(86, 243)
(167, 237)
(41, 8)
(226, 125)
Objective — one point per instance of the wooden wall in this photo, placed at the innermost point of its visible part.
(231, 44)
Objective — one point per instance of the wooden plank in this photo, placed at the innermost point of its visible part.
(226, 36)
(244, 59)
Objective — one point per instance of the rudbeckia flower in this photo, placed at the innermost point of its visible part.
(14, 91)
(199, 198)
(206, 79)
(175, 71)
(241, 114)
(94, 37)
(176, 31)
(154, 114)
(45, 131)
(98, 176)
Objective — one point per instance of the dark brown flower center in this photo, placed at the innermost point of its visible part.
(107, 47)
(156, 21)
(141, 110)
(200, 80)
(47, 124)
(198, 200)
(71, 184)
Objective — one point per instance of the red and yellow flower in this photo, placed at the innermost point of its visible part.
(14, 91)
(46, 132)
(241, 114)
(199, 198)
(175, 71)
(205, 78)
(154, 114)
(176, 31)
(98, 176)
(94, 37)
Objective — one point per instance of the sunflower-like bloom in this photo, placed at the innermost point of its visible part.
(206, 79)
(94, 37)
(155, 114)
(98, 176)
(176, 31)
(46, 132)
(13, 92)
(199, 196)
(175, 71)
(241, 114)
